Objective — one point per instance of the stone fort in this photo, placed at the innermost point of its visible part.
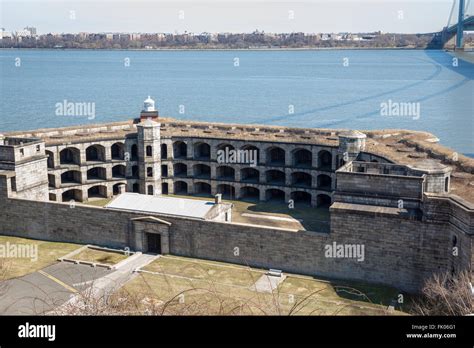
(407, 199)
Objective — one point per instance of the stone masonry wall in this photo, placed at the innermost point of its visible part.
(398, 252)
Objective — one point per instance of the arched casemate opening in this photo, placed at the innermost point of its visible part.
(180, 188)
(70, 155)
(118, 171)
(275, 177)
(301, 197)
(225, 173)
(202, 189)
(95, 153)
(72, 195)
(99, 191)
(96, 173)
(227, 191)
(323, 201)
(249, 193)
(180, 149)
(275, 195)
(118, 151)
(202, 151)
(250, 175)
(180, 170)
(324, 182)
(301, 179)
(251, 154)
(202, 171)
(276, 156)
(302, 158)
(71, 177)
(324, 160)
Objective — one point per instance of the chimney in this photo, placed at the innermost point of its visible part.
(218, 199)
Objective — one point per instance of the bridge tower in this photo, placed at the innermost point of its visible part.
(460, 32)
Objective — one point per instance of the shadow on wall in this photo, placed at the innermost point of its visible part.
(311, 218)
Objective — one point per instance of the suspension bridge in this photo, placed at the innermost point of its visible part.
(461, 18)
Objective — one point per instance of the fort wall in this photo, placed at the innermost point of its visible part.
(404, 216)
(398, 251)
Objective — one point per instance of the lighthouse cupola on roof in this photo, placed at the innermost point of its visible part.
(149, 104)
(149, 111)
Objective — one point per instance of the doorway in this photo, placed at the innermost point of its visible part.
(153, 243)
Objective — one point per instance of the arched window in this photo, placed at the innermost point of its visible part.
(134, 151)
(149, 172)
(136, 188)
(149, 151)
(164, 151)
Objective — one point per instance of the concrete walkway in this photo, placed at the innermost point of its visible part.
(40, 292)
(105, 286)
(267, 283)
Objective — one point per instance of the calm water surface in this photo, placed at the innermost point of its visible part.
(289, 88)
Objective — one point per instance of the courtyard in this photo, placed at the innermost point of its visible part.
(174, 285)
(186, 286)
(268, 214)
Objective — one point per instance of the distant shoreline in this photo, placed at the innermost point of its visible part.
(229, 49)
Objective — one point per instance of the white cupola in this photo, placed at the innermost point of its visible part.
(149, 105)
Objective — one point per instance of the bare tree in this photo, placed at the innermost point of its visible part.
(444, 294)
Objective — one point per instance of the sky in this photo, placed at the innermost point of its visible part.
(178, 16)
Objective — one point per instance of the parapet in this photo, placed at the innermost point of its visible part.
(351, 143)
(18, 149)
(437, 175)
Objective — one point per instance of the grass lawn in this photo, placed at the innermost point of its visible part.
(205, 270)
(48, 253)
(99, 202)
(199, 287)
(100, 256)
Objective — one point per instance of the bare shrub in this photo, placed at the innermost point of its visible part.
(444, 294)
(4, 268)
(203, 300)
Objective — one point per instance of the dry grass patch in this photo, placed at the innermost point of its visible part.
(305, 217)
(100, 256)
(48, 253)
(205, 270)
(99, 202)
(198, 287)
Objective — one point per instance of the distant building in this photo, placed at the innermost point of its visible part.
(5, 34)
(32, 30)
(23, 33)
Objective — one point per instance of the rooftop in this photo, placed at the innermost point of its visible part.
(404, 147)
(161, 205)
